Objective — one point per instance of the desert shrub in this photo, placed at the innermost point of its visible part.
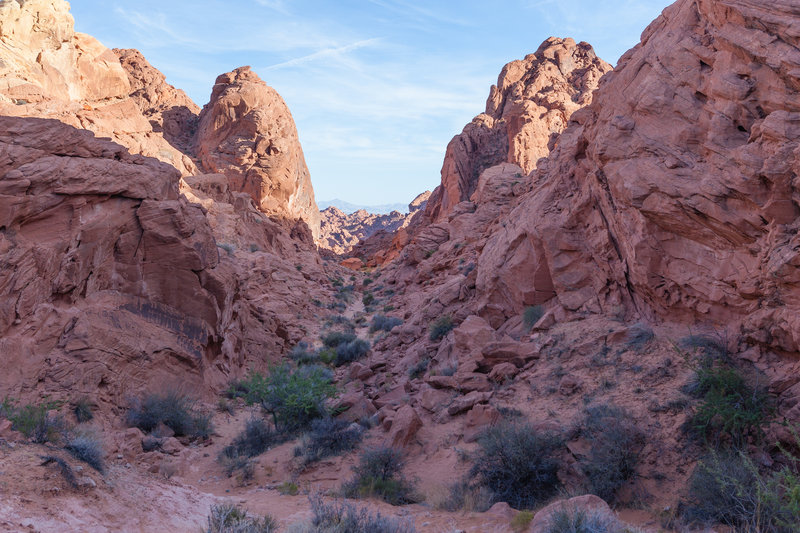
(35, 421)
(340, 320)
(335, 338)
(379, 474)
(303, 354)
(87, 447)
(730, 411)
(82, 409)
(368, 299)
(256, 438)
(228, 518)
(531, 316)
(705, 346)
(419, 369)
(172, 409)
(441, 327)
(468, 497)
(384, 323)
(229, 248)
(639, 335)
(581, 521)
(344, 517)
(517, 464)
(293, 397)
(242, 464)
(328, 437)
(347, 352)
(616, 442)
(64, 468)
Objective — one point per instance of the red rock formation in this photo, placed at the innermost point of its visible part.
(678, 199)
(526, 110)
(247, 133)
(169, 110)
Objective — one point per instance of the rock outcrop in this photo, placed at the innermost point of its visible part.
(527, 109)
(247, 133)
(675, 193)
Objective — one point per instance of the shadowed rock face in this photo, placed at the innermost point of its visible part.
(247, 133)
(675, 192)
(526, 110)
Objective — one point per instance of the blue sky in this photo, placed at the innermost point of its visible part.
(377, 87)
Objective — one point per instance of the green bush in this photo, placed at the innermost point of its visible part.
(35, 421)
(87, 448)
(616, 442)
(368, 299)
(228, 518)
(441, 327)
(730, 411)
(517, 464)
(328, 437)
(293, 397)
(344, 517)
(379, 474)
(419, 369)
(172, 409)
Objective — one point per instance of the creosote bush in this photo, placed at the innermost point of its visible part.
(328, 437)
(384, 323)
(172, 409)
(517, 464)
(379, 474)
(441, 327)
(228, 518)
(616, 442)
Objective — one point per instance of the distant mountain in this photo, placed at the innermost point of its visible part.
(348, 208)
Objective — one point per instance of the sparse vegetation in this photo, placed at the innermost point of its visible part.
(344, 517)
(287, 488)
(521, 521)
(87, 447)
(368, 299)
(384, 323)
(328, 437)
(531, 316)
(639, 335)
(229, 248)
(172, 409)
(616, 442)
(517, 464)
(228, 518)
(441, 327)
(379, 474)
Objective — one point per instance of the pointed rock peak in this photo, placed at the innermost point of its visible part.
(247, 133)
